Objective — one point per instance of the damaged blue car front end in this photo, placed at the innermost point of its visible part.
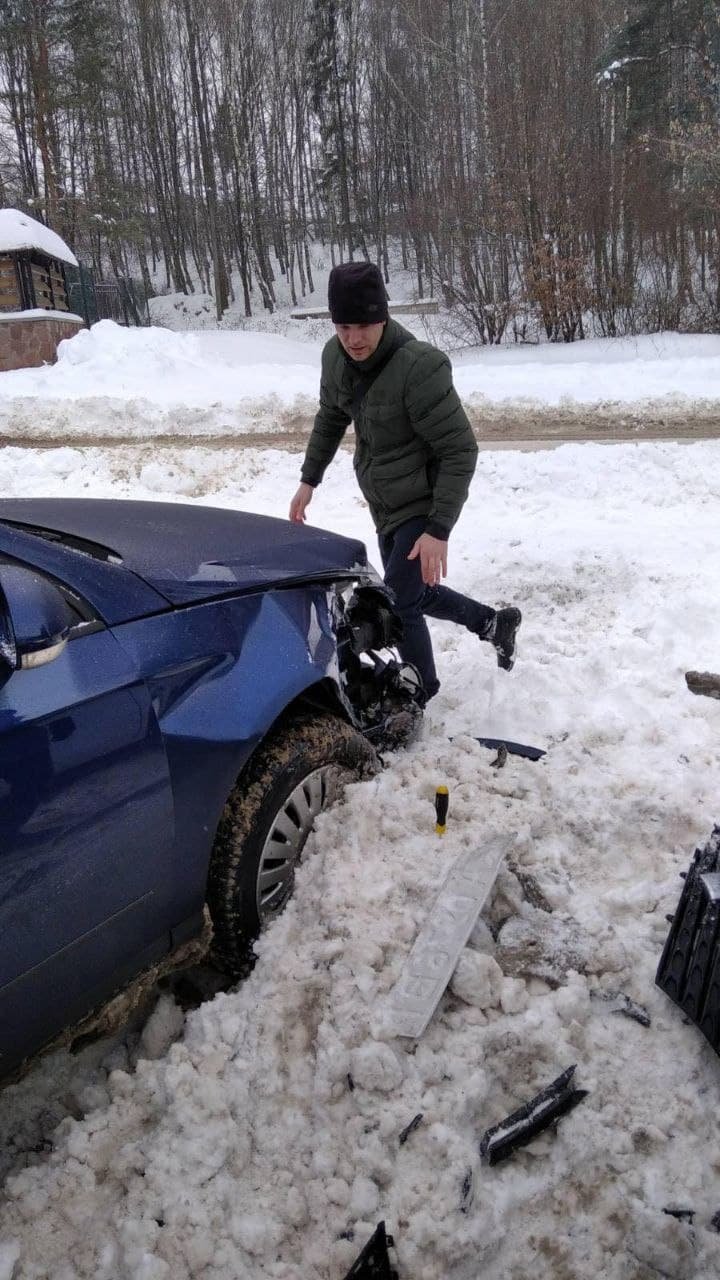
(186, 636)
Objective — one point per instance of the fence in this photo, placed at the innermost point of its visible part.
(123, 301)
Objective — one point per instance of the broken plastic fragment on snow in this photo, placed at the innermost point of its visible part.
(620, 1003)
(682, 1215)
(434, 955)
(517, 1129)
(374, 1261)
(512, 748)
(410, 1128)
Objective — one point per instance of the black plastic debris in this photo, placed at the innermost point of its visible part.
(682, 1215)
(410, 1128)
(374, 1261)
(512, 748)
(629, 1009)
(618, 1002)
(689, 969)
(528, 1121)
(467, 1192)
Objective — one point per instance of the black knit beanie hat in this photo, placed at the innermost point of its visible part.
(356, 294)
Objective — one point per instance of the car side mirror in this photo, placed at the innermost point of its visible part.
(35, 620)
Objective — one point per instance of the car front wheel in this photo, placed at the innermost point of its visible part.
(297, 772)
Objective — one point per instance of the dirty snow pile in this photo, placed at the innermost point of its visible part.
(265, 1141)
(113, 382)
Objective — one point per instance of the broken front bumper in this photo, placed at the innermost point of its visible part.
(384, 694)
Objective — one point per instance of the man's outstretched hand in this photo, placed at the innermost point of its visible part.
(433, 558)
(300, 502)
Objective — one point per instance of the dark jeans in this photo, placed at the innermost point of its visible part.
(414, 600)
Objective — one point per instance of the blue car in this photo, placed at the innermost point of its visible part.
(182, 690)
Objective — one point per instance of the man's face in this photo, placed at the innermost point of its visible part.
(359, 340)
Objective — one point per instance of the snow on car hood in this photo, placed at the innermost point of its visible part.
(189, 553)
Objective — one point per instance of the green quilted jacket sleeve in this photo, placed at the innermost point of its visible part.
(437, 416)
(331, 422)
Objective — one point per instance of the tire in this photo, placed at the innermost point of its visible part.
(300, 769)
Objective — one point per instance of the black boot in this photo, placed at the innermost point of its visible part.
(502, 634)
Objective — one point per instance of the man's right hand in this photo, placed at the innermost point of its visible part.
(299, 503)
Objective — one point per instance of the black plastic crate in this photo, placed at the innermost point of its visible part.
(689, 969)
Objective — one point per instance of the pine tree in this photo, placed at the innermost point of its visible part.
(667, 57)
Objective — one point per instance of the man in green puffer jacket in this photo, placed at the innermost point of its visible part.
(415, 455)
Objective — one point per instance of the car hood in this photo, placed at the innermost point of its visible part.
(188, 553)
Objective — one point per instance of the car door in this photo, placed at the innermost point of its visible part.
(86, 830)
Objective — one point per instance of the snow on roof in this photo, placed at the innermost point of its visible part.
(19, 231)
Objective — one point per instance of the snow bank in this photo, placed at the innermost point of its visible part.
(667, 369)
(113, 381)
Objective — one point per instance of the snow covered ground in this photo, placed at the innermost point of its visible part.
(110, 381)
(264, 1142)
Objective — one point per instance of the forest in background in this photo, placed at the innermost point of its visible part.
(540, 166)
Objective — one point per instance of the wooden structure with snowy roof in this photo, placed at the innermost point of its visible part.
(34, 311)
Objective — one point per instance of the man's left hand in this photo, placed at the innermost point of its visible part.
(433, 558)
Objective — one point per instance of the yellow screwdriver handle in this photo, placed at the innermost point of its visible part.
(442, 801)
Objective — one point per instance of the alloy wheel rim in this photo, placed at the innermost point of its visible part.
(288, 834)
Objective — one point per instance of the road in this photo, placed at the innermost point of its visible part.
(531, 427)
